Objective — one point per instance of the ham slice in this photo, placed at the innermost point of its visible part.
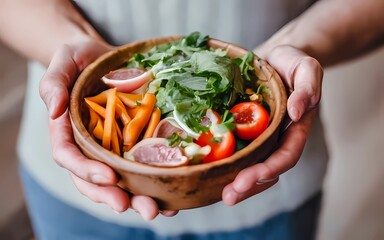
(155, 151)
(167, 127)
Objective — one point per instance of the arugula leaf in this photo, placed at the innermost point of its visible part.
(196, 40)
(228, 120)
(246, 64)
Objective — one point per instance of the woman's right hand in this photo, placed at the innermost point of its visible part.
(92, 178)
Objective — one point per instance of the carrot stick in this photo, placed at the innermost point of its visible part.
(100, 98)
(93, 119)
(132, 111)
(118, 130)
(152, 124)
(122, 112)
(98, 131)
(96, 107)
(109, 119)
(129, 99)
(135, 127)
(115, 140)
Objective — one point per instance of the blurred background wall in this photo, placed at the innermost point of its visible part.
(353, 112)
(354, 196)
(14, 222)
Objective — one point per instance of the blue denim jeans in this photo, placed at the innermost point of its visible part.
(53, 219)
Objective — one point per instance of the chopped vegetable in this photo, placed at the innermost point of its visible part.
(96, 107)
(153, 121)
(115, 140)
(134, 128)
(127, 79)
(129, 99)
(109, 119)
(219, 138)
(93, 119)
(98, 131)
(122, 112)
(251, 119)
(196, 88)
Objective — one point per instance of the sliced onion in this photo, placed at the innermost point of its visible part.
(184, 126)
(127, 79)
(167, 127)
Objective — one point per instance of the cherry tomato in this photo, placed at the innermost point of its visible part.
(221, 147)
(251, 119)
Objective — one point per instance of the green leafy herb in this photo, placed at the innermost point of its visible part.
(190, 78)
(175, 140)
(246, 64)
(228, 120)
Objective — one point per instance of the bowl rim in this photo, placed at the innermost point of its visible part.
(122, 164)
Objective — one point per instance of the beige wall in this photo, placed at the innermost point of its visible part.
(354, 195)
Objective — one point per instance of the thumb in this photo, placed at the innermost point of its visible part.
(57, 80)
(302, 76)
(66, 64)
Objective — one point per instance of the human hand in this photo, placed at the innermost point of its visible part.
(302, 75)
(92, 178)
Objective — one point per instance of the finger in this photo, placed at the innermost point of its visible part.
(58, 78)
(168, 213)
(145, 206)
(280, 161)
(232, 197)
(112, 196)
(306, 94)
(63, 70)
(67, 155)
(302, 75)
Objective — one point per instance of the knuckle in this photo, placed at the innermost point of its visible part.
(290, 159)
(291, 163)
(315, 69)
(311, 62)
(86, 189)
(43, 89)
(57, 158)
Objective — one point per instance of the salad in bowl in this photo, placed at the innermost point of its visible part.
(178, 117)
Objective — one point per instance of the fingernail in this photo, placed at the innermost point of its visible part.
(98, 178)
(145, 215)
(50, 106)
(294, 113)
(118, 213)
(230, 197)
(264, 181)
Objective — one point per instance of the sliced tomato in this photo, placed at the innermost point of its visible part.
(251, 119)
(222, 144)
(221, 147)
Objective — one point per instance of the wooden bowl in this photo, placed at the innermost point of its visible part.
(182, 187)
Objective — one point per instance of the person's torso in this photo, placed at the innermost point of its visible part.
(246, 23)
